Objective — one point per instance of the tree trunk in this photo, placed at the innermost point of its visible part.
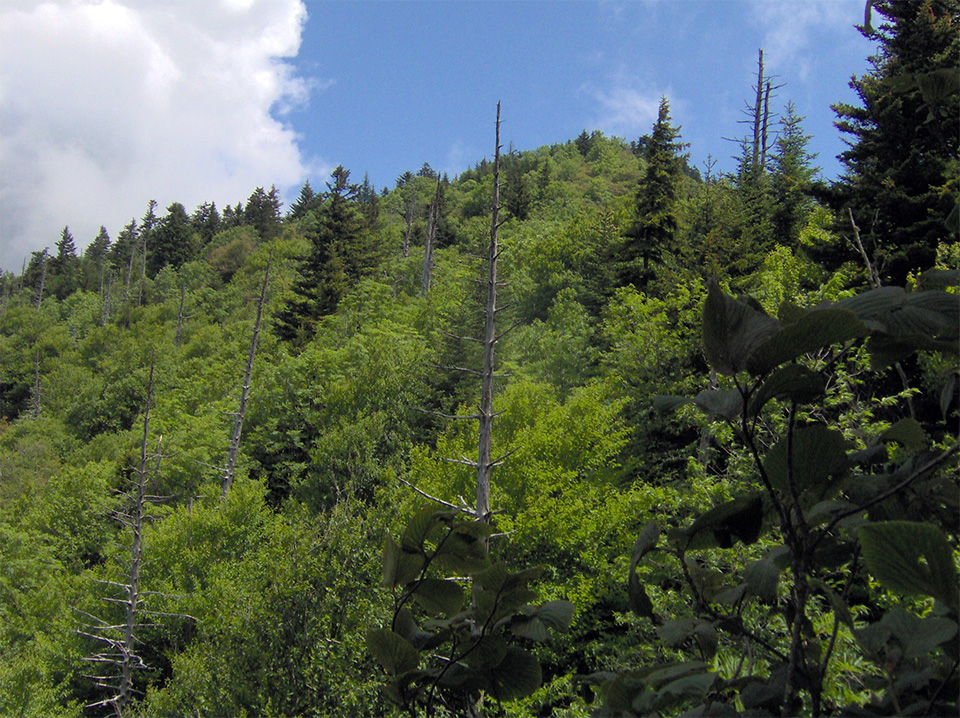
(432, 220)
(245, 393)
(484, 463)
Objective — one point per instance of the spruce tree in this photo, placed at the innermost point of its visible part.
(172, 240)
(338, 257)
(900, 180)
(791, 178)
(656, 200)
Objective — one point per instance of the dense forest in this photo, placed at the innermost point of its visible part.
(585, 430)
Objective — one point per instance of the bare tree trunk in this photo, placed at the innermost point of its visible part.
(43, 278)
(411, 206)
(765, 125)
(107, 295)
(143, 267)
(36, 386)
(484, 463)
(176, 339)
(121, 639)
(433, 219)
(133, 255)
(758, 113)
(244, 394)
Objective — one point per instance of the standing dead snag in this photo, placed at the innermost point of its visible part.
(234, 450)
(120, 639)
(432, 221)
(484, 464)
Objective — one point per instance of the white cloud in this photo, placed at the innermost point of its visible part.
(791, 28)
(625, 111)
(105, 105)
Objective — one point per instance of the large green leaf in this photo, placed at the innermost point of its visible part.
(517, 676)
(640, 603)
(392, 651)
(816, 329)
(423, 523)
(727, 403)
(537, 620)
(683, 689)
(732, 330)
(439, 596)
(907, 432)
(762, 578)
(400, 566)
(740, 518)
(819, 457)
(911, 558)
(791, 382)
(894, 311)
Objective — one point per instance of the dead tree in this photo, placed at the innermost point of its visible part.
(234, 449)
(43, 278)
(432, 221)
(183, 294)
(409, 216)
(119, 660)
(484, 464)
(35, 399)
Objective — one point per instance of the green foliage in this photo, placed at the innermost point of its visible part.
(464, 649)
(818, 504)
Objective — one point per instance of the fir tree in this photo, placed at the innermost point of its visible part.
(338, 257)
(900, 178)
(307, 201)
(656, 200)
(791, 178)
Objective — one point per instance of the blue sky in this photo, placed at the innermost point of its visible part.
(105, 104)
(401, 83)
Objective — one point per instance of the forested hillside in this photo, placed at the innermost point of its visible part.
(240, 446)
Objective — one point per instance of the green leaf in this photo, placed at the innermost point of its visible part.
(392, 651)
(517, 676)
(815, 330)
(399, 565)
(534, 622)
(762, 578)
(439, 596)
(687, 688)
(667, 403)
(819, 457)
(640, 603)
(911, 558)
(423, 523)
(727, 403)
(839, 606)
(740, 518)
(907, 432)
(557, 615)
(463, 552)
(405, 626)
(791, 382)
(732, 330)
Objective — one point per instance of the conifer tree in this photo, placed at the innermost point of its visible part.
(656, 200)
(338, 257)
(263, 212)
(307, 201)
(791, 178)
(94, 262)
(64, 266)
(172, 242)
(904, 135)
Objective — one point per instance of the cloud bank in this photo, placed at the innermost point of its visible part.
(105, 105)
